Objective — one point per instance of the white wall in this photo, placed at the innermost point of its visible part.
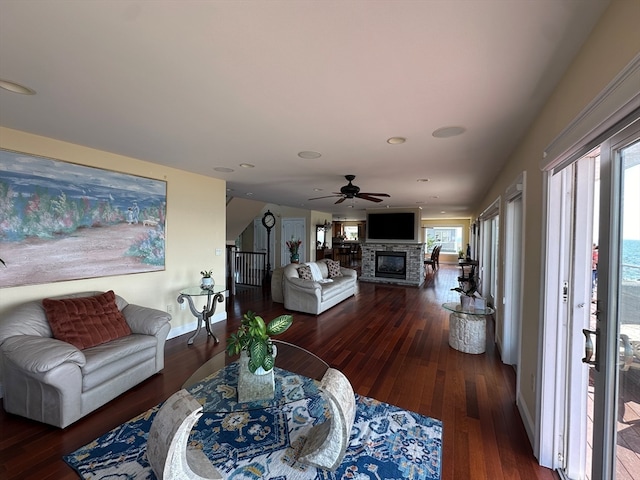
(613, 43)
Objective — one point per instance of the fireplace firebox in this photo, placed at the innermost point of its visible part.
(391, 265)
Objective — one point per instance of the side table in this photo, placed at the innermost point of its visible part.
(213, 295)
(467, 327)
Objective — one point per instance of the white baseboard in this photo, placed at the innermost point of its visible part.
(527, 419)
(191, 327)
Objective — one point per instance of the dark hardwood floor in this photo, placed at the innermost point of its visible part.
(390, 341)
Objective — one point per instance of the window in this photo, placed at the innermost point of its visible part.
(351, 232)
(449, 237)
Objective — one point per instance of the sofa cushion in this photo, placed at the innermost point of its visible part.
(87, 321)
(334, 268)
(108, 361)
(304, 272)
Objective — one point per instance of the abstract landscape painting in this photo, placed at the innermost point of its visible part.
(62, 221)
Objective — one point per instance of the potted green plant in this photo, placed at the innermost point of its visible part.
(254, 338)
(468, 290)
(207, 280)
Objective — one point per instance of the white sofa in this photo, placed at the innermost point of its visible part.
(310, 296)
(52, 381)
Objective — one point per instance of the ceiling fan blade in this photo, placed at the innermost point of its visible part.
(340, 201)
(366, 196)
(326, 196)
(376, 194)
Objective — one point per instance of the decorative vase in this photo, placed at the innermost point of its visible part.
(467, 302)
(206, 283)
(252, 387)
(295, 258)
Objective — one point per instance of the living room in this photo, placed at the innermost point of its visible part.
(196, 202)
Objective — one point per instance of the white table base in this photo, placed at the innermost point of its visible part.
(467, 333)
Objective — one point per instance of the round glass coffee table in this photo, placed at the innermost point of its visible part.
(296, 376)
(305, 387)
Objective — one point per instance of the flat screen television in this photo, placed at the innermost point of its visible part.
(392, 226)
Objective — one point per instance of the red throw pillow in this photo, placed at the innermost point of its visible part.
(86, 321)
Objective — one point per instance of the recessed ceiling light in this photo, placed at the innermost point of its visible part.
(396, 140)
(435, 196)
(249, 194)
(423, 180)
(16, 88)
(419, 202)
(247, 165)
(446, 132)
(443, 211)
(317, 189)
(229, 189)
(224, 169)
(309, 155)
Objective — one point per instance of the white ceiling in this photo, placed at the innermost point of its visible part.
(203, 84)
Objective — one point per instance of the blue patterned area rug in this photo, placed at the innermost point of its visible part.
(386, 441)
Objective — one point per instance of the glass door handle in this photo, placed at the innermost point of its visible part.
(588, 348)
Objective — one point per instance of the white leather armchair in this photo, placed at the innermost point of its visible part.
(54, 382)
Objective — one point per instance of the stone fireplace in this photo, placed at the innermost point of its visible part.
(391, 264)
(394, 263)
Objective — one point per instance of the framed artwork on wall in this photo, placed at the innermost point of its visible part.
(63, 221)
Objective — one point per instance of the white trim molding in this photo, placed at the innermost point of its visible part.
(618, 99)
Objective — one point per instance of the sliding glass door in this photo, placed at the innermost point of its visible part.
(616, 375)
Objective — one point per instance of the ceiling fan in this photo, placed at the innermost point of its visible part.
(353, 191)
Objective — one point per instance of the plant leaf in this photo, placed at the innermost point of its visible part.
(268, 362)
(233, 345)
(279, 324)
(252, 366)
(258, 352)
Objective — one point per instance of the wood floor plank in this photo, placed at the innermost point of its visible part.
(390, 341)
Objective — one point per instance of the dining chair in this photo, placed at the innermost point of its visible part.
(433, 260)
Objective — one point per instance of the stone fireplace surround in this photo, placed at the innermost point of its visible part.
(414, 263)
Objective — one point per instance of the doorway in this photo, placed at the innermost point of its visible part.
(508, 332)
(260, 241)
(592, 321)
(490, 246)
(293, 228)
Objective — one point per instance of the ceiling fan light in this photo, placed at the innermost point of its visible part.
(446, 132)
(16, 88)
(309, 155)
